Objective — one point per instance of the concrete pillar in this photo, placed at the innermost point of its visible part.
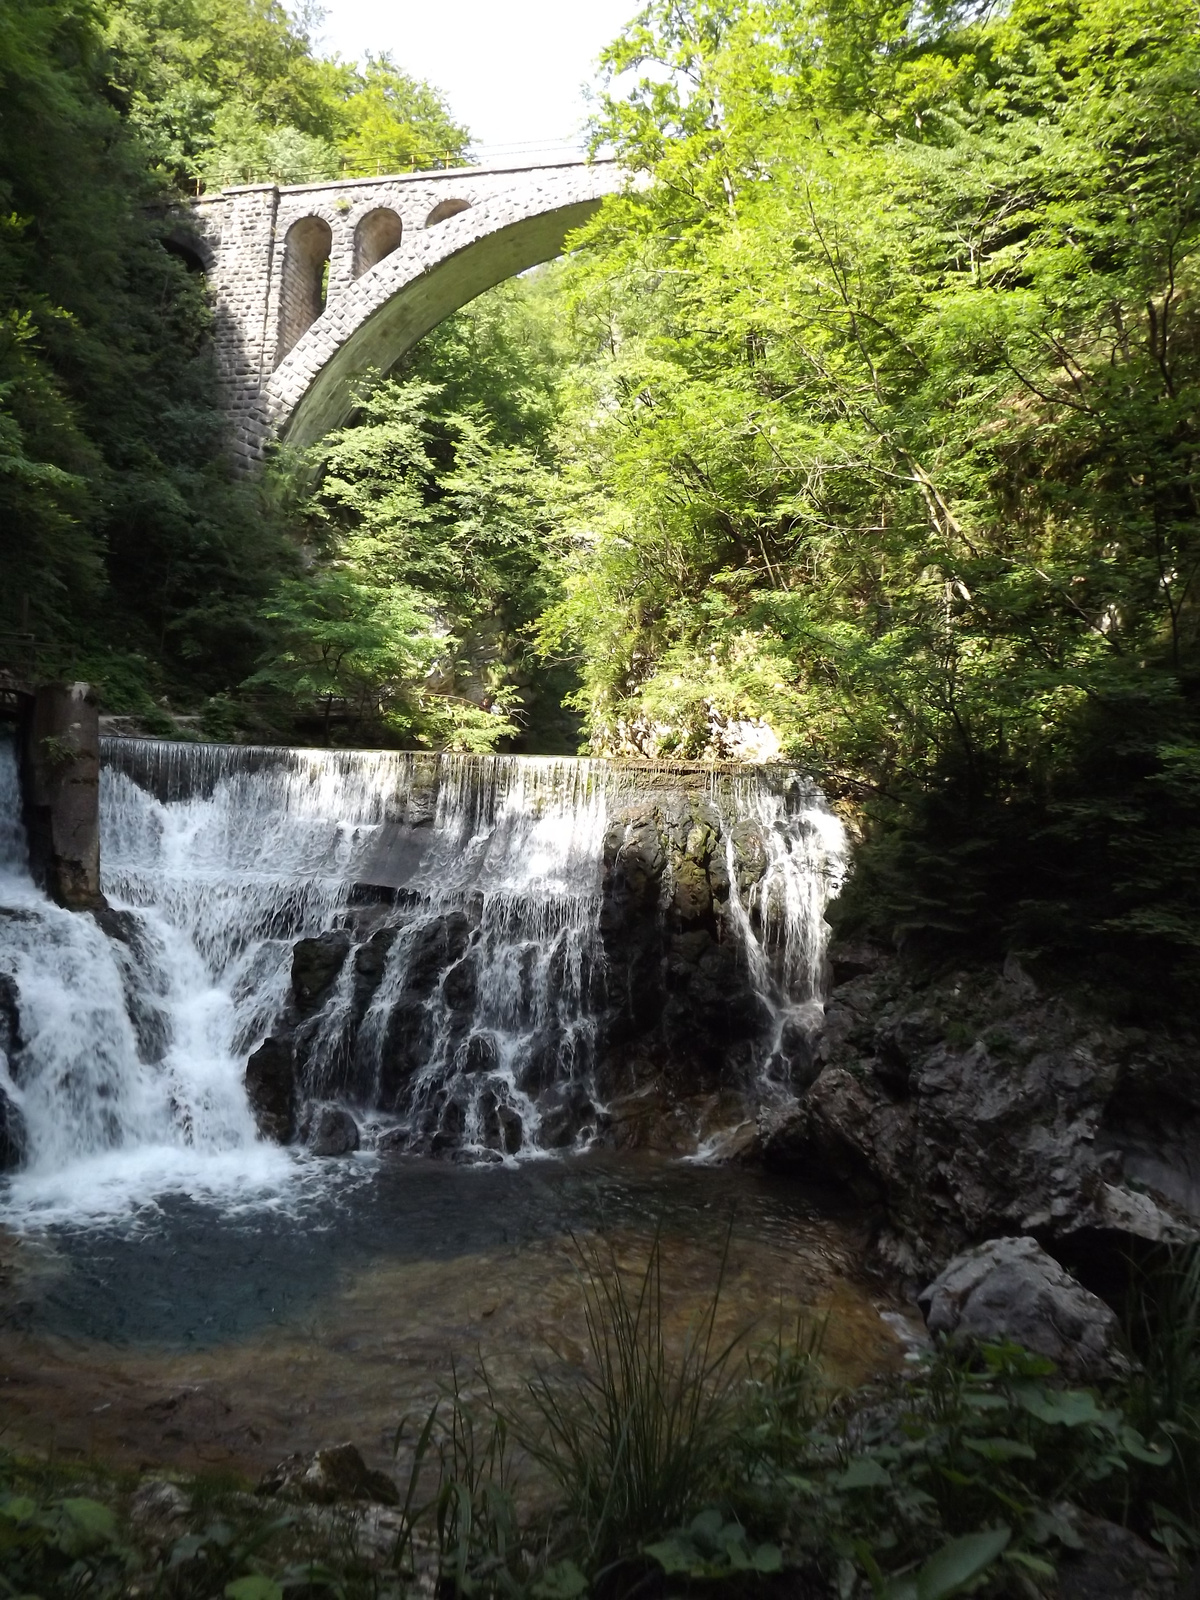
(60, 776)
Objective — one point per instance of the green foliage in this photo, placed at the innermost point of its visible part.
(884, 441)
(412, 622)
(230, 91)
(126, 536)
(645, 1436)
(1162, 1396)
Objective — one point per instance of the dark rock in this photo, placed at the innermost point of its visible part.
(1112, 1564)
(975, 1105)
(438, 945)
(1010, 1289)
(370, 963)
(316, 964)
(160, 1510)
(329, 1476)
(512, 1129)
(853, 960)
(143, 980)
(271, 1088)
(749, 853)
(692, 898)
(478, 1054)
(330, 1131)
(12, 1133)
(634, 857)
(10, 1018)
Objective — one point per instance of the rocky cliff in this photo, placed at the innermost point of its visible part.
(980, 1104)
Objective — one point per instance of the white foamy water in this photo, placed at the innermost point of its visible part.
(105, 1128)
(130, 1065)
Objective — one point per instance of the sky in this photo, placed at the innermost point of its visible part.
(512, 70)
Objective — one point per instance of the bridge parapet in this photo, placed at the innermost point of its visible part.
(316, 283)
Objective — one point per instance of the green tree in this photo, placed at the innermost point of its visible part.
(889, 451)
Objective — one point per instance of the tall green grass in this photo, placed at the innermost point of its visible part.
(644, 1437)
(1162, 1394)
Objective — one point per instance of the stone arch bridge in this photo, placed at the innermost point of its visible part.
(318, 283)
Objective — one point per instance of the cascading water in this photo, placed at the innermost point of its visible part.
(117, 1054)
(458, 907)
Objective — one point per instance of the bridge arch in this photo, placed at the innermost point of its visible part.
(317, 284)
(306, 252)
(376, 235)
(408, 293)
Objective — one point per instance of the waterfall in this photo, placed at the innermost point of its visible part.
(456, 908)
(119, 1054)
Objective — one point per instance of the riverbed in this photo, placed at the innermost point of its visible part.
(196, 1337)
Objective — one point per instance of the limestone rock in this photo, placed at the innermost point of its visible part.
(271, 1087)
(975, 1105)
(339, 1473)
(1010, 1289)
(159, 1510)
(330, 1131)
(316, 964)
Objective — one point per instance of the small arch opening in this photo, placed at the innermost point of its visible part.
(186, 250)
(376, 236)
(305, 277)
(444, 209)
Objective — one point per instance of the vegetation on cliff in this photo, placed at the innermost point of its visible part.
(128, 545)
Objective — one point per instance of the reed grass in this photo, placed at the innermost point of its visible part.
(645, 1436)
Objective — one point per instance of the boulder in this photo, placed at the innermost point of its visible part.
(316, 964)
(1010, 1289)
(160, 1510)
(330, 1131)
(1112, 1563)
(271, 1088)
(339, 1473)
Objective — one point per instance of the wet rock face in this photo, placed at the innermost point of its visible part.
(678, 985)
(316, 964)
(12, 1124)
(1010, 1290)
(979, 1106)
(12, 1133)
(271, 1088)
(142, 979)
(479, 1027)
(330, 1131)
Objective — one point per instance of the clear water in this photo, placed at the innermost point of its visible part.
(190, 1338)
(130, 1072)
